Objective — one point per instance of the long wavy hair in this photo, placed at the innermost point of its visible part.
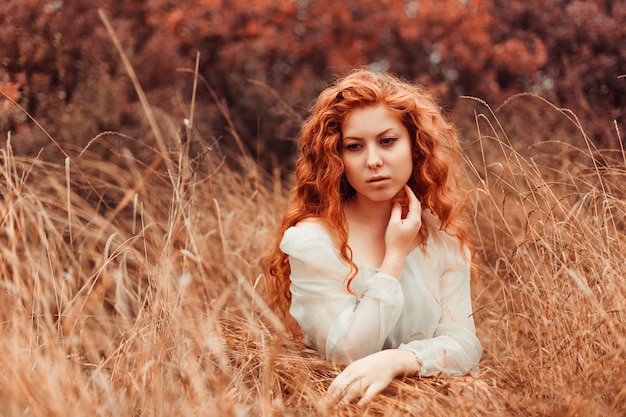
(321, 187)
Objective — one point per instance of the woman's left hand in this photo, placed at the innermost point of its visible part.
(366, 377)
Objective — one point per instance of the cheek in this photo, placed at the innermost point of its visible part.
(349, 169)
(405, 161)
(408, 170)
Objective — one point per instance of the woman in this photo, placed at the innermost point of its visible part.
(373, 262)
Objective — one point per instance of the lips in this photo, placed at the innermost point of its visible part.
(376, 179)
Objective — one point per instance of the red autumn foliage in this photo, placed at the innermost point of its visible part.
(571, 52)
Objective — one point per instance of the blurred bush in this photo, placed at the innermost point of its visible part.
(584, 41)
(57, 55)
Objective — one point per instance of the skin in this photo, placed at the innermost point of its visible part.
(384, 220)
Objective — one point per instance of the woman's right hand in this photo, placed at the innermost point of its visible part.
(402, 234)
(368, 376)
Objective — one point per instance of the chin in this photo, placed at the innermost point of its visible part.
(380, 198)
(387, 193)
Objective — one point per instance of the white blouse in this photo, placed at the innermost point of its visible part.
(428, 312)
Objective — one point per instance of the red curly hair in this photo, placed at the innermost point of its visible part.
(322, 189)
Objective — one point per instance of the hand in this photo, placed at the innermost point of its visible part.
(403, 231)
(366, 377)
(404, 223)
(403, 200)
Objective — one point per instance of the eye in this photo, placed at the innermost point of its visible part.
(352, 146)
(388, 141)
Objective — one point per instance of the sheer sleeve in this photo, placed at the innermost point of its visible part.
(454, 347)
(343, 327)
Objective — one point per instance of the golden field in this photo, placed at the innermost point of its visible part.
(131, 286)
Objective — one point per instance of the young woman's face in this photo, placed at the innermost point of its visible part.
(376, 152)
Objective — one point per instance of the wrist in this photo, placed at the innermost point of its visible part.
(408, 364)
(392, 264)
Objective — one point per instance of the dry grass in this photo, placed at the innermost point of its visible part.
(551, 220)
(127, 286)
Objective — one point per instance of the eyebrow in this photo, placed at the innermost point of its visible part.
(381, 134)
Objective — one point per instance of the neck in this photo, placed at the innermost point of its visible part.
(373, 213)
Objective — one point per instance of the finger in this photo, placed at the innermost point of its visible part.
(414, 204)
(339, 385)
(354, 391)
(334, 392)
(332, 395)
(400, 200)
(370, 393)
(410, 195)
(331, 400)
(404, 204)
(396, 212)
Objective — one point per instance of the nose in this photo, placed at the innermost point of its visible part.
(374, 158)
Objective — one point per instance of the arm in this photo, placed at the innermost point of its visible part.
(344, 327)
(454, 348)
(341, 326)
(370, 375)
(403, 232)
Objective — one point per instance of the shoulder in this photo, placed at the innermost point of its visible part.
(314, 222)
(310, 243)
(445, 243)
(312, 231)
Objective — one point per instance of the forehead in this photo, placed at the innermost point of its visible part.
(370, 120)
